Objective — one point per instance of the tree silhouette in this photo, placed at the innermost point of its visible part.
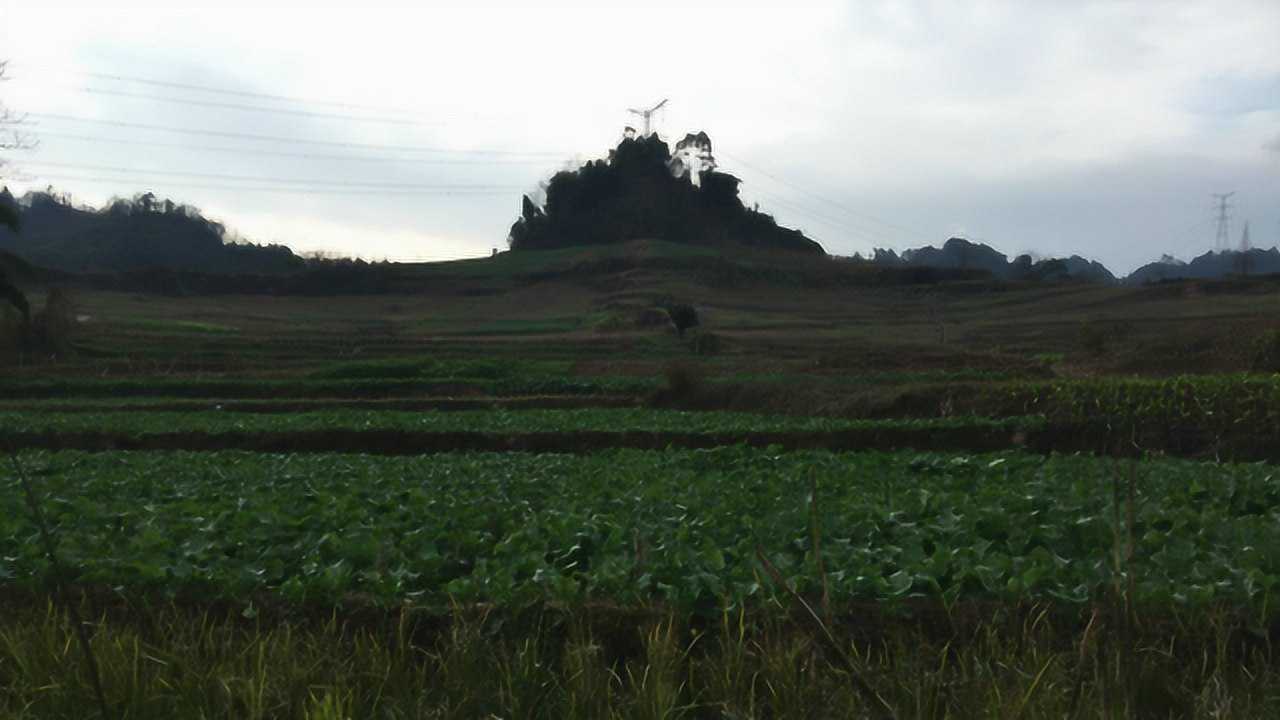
(11, 138)
(683, 317)
(10, 213)
(136, 234)
(9, 216)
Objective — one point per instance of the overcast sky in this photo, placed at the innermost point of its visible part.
(1056, 128)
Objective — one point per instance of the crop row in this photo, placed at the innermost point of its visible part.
(1227, 415)
(1230, 399)
(316, 387)
(474, 421)
(681, 527)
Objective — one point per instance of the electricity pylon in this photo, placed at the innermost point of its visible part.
(647, 114)
(1223, 241)
(1242, 262)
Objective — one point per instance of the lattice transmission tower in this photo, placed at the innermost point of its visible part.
(647, 114)
(1223, 240)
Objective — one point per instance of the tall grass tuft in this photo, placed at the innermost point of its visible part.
(180, 662)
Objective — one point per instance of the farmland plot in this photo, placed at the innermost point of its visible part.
(679, 527)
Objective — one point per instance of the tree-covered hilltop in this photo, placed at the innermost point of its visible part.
(131, 234)
(642, 191)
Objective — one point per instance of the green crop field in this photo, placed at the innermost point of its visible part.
(507, 499)
(319, 387)
(381, 362)
(680, 528)
(621, 420)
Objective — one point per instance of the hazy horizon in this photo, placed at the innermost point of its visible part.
(1098, 129)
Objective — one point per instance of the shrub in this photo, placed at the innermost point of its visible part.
(52, 327)
(706, 343)
(1093, 337)
(13, 329)
(652, 317)
(683, 317)
(46, 332)
(1266, 352)
(11, 295)
(682, 379)
(15, 316)
(1096, 336)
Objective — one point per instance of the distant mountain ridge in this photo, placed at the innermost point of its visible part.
(958, 253)
(642, 188)
(1208, 266)
(961, 254)
(128, 235)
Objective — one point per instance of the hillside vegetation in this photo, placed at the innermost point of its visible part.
(640, 192)
(130, 235)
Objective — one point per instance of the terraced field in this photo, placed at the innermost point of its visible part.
(550, 515)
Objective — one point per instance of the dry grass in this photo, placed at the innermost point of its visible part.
(172, 662)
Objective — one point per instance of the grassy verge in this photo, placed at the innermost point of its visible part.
(1029, 662)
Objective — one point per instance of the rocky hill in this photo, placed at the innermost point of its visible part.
(961, 254)
(644, 191)
(1209, 265)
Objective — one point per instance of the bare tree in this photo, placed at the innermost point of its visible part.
(11, 138)
(11, 123)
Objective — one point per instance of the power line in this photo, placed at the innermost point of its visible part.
(308, 156)
(227, 91)
(831, 221)
(820, 234)
(856, 224)
(834, 203)
(822, 218)
(299, 141)
(280, 190)
(253, 108)
(1189, 238)
(389, 115)
(274, 180)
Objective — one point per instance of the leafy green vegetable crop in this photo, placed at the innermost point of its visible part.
(442, 368)
(344, 387)
(629, 526)
(485, 421)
